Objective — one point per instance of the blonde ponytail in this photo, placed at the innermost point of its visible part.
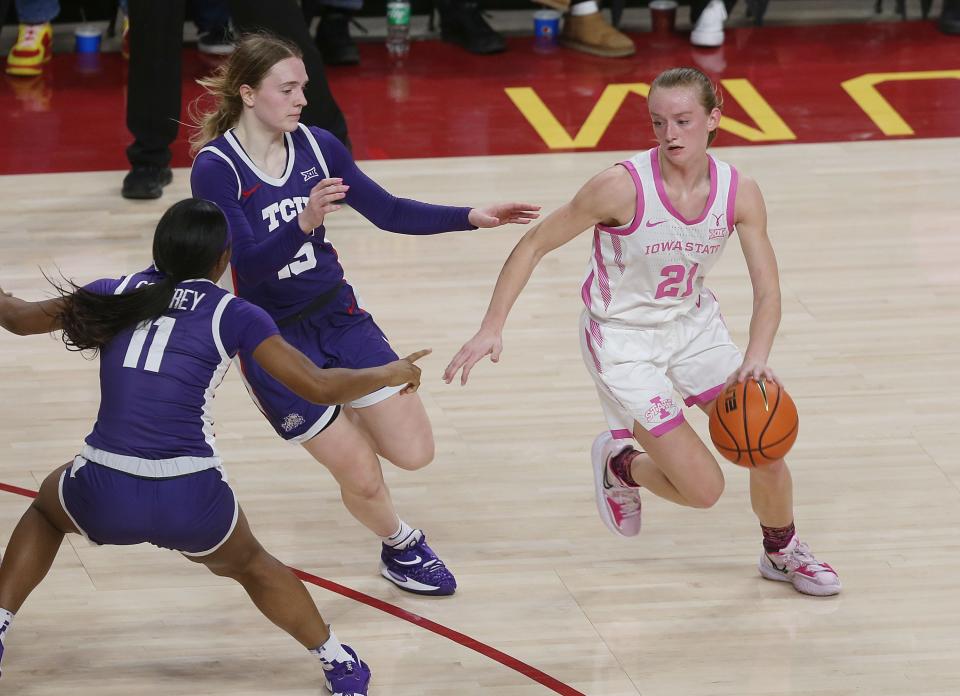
(249, 63)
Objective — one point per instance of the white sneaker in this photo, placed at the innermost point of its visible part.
(708, 30)
(794, 563)
(3, 632)
(618, 505)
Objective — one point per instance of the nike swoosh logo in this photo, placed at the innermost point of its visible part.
(415, 561)
(654, 224)
(606, 481)
(776, 567)
(249, 192)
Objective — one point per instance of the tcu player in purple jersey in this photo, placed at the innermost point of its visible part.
(277, 180)
(660, 220)
(149, 471)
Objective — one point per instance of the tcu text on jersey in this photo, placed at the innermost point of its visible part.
(287, 209)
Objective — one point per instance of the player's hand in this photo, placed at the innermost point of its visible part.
(6, 307)
(504, 214)
(753, 369)
(404, 372)
(483, 343)
(322, 201)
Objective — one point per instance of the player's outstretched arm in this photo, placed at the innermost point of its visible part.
(751, 221)
(295, 371)
(504, 214)
(405, 215)
(609, 197)
(26, 318)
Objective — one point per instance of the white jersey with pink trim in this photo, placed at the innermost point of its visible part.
(651, 270)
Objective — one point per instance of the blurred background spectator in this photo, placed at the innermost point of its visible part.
(34, 46)
(154, 81)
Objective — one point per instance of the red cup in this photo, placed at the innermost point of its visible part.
(663, 16)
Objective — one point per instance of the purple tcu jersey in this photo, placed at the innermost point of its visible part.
(274, 264)
(157, 379)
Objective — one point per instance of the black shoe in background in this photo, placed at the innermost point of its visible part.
(146, 182)
(333, 38)
(216, 42)
(950, 17)
(462, 23)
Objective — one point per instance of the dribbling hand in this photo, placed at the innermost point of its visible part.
(755, 370)
(504, 214)
(483, 343)
(322, 201)
(404, 372)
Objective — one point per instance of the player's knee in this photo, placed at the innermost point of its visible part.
(707, 493)
(261, 565)
(368, 487)
(774, 470)
(415, 454)
(238, 565)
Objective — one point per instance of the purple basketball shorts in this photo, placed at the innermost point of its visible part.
(194, 513)
(344, 337)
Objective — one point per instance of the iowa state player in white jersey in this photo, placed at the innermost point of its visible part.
(277, 180)
(649, 327)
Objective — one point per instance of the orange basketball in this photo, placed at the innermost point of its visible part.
(754, 423)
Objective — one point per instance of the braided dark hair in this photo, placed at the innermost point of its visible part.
(189, 240)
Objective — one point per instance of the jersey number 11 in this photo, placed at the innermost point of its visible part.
(157, 345)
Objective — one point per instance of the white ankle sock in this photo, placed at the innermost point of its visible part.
(404, 536)
(331, 651)
(584, 8)
(6, 618)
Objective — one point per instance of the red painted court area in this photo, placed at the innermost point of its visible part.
(782, 84)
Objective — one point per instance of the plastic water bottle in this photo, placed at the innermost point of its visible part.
(398, 29)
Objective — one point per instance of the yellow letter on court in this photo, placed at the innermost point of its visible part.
(864, 91)
(769, 126)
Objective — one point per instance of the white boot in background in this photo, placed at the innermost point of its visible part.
(708, 30)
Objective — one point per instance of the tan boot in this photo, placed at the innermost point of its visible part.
(592, 34)
(559, 5)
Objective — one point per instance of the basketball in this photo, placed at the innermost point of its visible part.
(754, 423)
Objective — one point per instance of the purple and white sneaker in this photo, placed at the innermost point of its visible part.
(417, 569)
(3, 635)
(347, 678)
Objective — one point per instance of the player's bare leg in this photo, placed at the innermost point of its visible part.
(347, 449)
(284, 599)
(785, 558)
(33, 544)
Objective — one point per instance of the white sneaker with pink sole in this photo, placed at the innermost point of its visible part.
(796, 564)
(618, 505)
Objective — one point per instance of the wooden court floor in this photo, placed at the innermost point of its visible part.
(867, 238)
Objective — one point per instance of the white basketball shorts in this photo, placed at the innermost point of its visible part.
(637, 371)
